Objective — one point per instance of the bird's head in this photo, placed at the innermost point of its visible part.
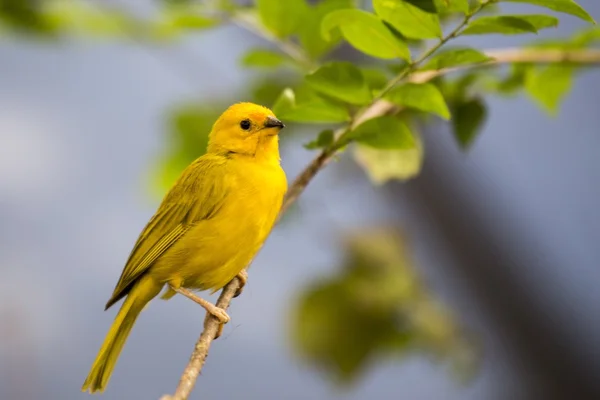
(247, 129)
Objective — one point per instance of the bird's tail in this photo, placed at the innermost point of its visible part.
(143, 291)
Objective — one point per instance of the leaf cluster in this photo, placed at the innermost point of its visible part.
(393, 42)
(375, 307)
(389, 40)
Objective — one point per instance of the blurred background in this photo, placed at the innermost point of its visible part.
(502, 241)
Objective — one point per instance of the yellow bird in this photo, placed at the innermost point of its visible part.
(208, 227)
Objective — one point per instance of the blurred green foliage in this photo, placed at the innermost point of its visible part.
(24, 16)
(189, 125)
(563, 6)
(374, 309)
(353, 23)
(456, 58)
(510, 24)
(310, 37)
(391, 164)
(342, 81)
(304, 105)
(425, 97)
(402, 16)
(385, 132)
(352, 70)
(321, 88)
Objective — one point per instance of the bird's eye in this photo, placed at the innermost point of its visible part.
(245, 124)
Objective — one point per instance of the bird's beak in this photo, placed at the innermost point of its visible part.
(273, 122)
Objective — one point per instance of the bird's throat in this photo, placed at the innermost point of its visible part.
(267, 148)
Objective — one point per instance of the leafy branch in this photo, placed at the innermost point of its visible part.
(412, 66)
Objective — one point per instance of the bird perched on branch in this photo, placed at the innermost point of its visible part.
(207, 229)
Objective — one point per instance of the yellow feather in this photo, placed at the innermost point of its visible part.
(209, 226)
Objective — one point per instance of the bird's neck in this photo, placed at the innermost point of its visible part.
(267, 149)
(264, 149)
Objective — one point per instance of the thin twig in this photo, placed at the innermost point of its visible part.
(498, 57)
(211, 326)
(295, 52)
(518, 56)
(413, 65)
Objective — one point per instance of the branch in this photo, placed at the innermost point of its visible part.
(295, 52)
(589, 57)
(519, 56)
(211, 326)
(428, 53)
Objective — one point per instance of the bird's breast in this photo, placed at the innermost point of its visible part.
(257, 195)
(220, 247)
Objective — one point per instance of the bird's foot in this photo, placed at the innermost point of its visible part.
(243, 278)
(213, 310)
(219, 329)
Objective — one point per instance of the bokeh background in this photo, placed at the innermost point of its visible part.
(506, 235)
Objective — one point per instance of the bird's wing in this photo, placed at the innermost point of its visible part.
(197, 195)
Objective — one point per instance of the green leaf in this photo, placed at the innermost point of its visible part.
(312, 109)
(448, 6)
(425, 97)
(366, 32)
(441, 6)
(384, 165)
(323, 141)
(376, 286)
(455, 58)
(563, 6)
(408, 19)
(386, 132)
(21, 16)
(375, 77)
(178, 18)
(540, 21)
(79, 18)
(549, 85)
(281, 17)
(499, 24)
(460, 88)
(266, 89)
(309, 31)
(342, 81)
(328, 329)
(425, 5)
(580, 40)
(468, 119)
(586, 37)
(284, 103)
(514, 81)
(510, 24)
(263, 58)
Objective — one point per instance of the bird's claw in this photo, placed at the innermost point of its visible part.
(219, 313)
(242, 278)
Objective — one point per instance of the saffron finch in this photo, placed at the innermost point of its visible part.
(208, 227)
